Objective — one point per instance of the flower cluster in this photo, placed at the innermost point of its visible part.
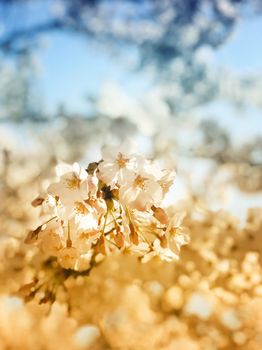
(112, 205)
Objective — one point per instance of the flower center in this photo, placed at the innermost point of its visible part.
(140, 182)
(73, 183)
(173, 231)
(81, 208)
(121, 161)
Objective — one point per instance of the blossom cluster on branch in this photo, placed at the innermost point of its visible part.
(112, 205)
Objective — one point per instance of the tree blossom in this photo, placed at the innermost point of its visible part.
(141, 193)
(117, 165)
(51, 237)
(176, 234)
(165, 254)
(72, 185)
(111, 205)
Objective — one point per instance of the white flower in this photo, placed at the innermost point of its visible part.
(54, 208)
(145, 166)
(79, 238)
(49, 205)
(113, 207)
(176, 234)
(87, 222)
(141, 249)
(142, 190)
(175, 223)
(164, 254)
(98, 205)
(51, 237)
(72, 185)
(117, 165)
(146, 224)
(85, 216)
(141, 193)
(167, 179)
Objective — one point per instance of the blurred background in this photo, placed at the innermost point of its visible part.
(182, 78)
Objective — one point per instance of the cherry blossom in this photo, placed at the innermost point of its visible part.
(113, 205)
(176, 234)
(117, 165)
(72, 185)
(164, 254)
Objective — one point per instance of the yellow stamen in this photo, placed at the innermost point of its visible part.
(81, 208)
(121, 161)
(73, 183)
(140, 181)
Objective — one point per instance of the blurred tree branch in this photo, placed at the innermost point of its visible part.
(166, 29)
(8, 43)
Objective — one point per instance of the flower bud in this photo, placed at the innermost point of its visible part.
(160, 215)
(119, 238)
(133, 234)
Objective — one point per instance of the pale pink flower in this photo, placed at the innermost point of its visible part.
(72, 185)
(51, 237)
(79, 238)
(114, 206)
(86, 222)
(164, 254)
(147, 225)
(140, 250)
(167, 179)
(141, 192)
(176, 234)
(117, 165)
(98, 205)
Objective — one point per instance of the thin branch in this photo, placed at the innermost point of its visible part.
(8, 43)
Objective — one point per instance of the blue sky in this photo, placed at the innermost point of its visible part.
(73, 68)
(243, 51)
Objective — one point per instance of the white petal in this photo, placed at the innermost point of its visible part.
(178, 219)
(182, 239)
(63, 168)
(79, 171)
(126, 176)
